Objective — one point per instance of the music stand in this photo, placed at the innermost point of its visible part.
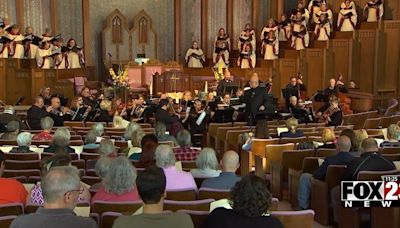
(223, 116)
(231, 89)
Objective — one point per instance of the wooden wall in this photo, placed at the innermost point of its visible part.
(391, 47)
(341, 57)
(315, 69)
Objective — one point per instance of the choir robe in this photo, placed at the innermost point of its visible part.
(270, 49)
(4, 50)
(221, 51)
(247, 60)
(44, 60)
(266, 30)
(347, 19)
(195, 58)
(244, 39)
(328, 15)
(374, 11)
(16, 48)
(300, 38)
(322, 31)
(284, 31)
(74, 59)
(304, 12)
(314, 8)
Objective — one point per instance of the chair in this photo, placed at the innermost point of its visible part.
(5, 221)
(121, 144)
(49, 155)
(273, 153)
(40, 143)
(21, 165)
(372, 123)
(373, 114)
(292, 140)
(199, 181)
(4, 142)
(216, 194)
(198, 217)
(108, 218)
(92, 155)
(32, 208)
(90, 124)
(358, 120)
(182, 195)
(196, 205)
(392, 107)
(389, 150)
(21, 156)
(231, 141)
(187, 165)
(344, 127)
(21, 179)
(17, 173)
(145, 125)
(11, 209)
(323, 152)
(258, 150)
(385, 122)
(392, 157)
(90, 180)
(76, 137)
(293, 219)
(74, 124)
(80, 164)
(128, 207)
(91, 172)
(114, 129)
(220, 137)
(171, 143)
(347, 118)
(76, 143)
(212, 132)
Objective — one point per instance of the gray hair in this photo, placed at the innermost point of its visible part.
(131, 129)
(46, 123)
(121, 176)
(106, 147)
(61, 137)
(58, 181)
(160, 129)
(184, 138)
(12, 126)
(24, 139)
(164, 156)
(207, 159)
(103, 166)
(98, 129)
(90, 137)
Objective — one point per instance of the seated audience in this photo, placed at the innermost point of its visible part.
(119, 184)
(61, 190)
(227, 179)
(292, 132)
(60, 142)
(102, 167)
(250, 201)
(11, 190)
(98, 129)
(343, 157)
(107, 149)
(90, 141)
(352, 136)
(161, 133)
(7, 116)
(134, 150)
(393, 134)
(24, 140)
(176, 179)
(12, 131)
(46, 124)
(35, 195)
(328, 138)
(261, 133)
(148, 146)
(151, 184)
(133, 128)
(184, 152)
(207, 164)
(360, 136)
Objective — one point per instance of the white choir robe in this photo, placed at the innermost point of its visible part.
(16, 50)
(315, 10)
(246, 63)
(266, 30)
(284, 33)
(32, 51)
(43, 60)
(322, 32)
(347, 24)
(73, 60)
(300, 43)
(271, 50)
(374, 14)
(60, 61)
(222, 57)
(252, 40)
(3, 51)
(328, 14)
(306, 15)
(192, 61)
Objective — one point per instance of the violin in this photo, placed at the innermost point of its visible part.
(324, 118)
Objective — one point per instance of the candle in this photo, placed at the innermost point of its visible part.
(206, 87)
(151, 87)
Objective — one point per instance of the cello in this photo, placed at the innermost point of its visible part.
(345, 101)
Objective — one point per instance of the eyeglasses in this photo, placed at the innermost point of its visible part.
(78, 190)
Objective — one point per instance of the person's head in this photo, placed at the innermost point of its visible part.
(149, 145)
(299, 15)
(393, 132)
(15, 29)
(90, 137)
(61, 137)
(350, 134)
(121, 176)
(332, 83)
(328, 135)
(164, 103)
(197, 104)
(230, 161)
(210, 96)
(106, 105)
(360, 135)
(195, 45)
(106, 147)
(9, 110)
(57, 160)
(271, 23)
(61, 187)
(323, 7)
(45, 45)
(148, 138)
(247, 48)
(165, 156)
(226, 98)
(13, 126)
(293, 100)
(138, 99)
(151, 184)
(271, 34)
(254, 81)
(227, 75)
(187, 95)
(207, 159)
(352, 84)
(247, 26)
(160, 129)
(24, 139)
(85, 92)
(71, 43)
(102, 167)
(221, 32)
(293, 81)
(39, 102)
(292, 124)
(98, 129)
(283, 17)
(369, 145)
(2, 159)
(184, 138)
(47, 32)
(262, 129)
(55, 102)
(132, 128)
(250, 197)
(45, 92)
(77, 102)
(334, 102)
(343, 144)
(46, 123)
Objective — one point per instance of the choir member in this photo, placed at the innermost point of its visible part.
(36, 112)
(47, 36)
(247, 37)
(5, 24)
(373, 10)
(222, 46)
(270, 46)
(284, 29)
(270, 27)
(44, 56)
(333, 115)
(347, 19)
(314, 7)
(31, 43)
(226, 82)
(74, 55)
(294, 88)
(195, 56)
(327, 12)
(60, 59)
(322, 29)
(4, 43)
(16, 48)
(300, 36)
(186, 101)
(247, 58)
(305, 14)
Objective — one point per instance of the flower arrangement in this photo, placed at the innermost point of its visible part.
(121, 79)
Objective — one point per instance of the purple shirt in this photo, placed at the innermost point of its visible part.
(177, 180)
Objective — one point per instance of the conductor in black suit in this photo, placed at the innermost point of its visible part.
(257, 100)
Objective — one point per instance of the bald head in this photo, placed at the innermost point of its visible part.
(254, 80)
(369, 145)
(230, 161)
(344, 144)
(227, 75)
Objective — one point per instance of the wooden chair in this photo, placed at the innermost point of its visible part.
(231, 140)
(90, 150)
(4, 142)
(198, 217)
(90, 124)
(273, 153)
(221, 138)
(196, 205)
(106, 129)
(292, 140)
(40, 143)
(347, 118)
(80, 164)
(182, 195)
(76, 137)
(212, 132)
(44, 155)
(389, 150)
(11, 209)
(373, 114)
(100, 207)
(293, 219)
(395, 119)
(145, 125)
(21, 165)
(26, 173)
(172, 144)
(21, 156)
(32, 208)
(5, 221)
(323, 152)
(121, 144)
(76, 143)
(258, 151)
(359, 119)
(306, 129)
(385, 122)
(74, 124)
(372, 123)
(320, 193)
(108, 218)
(344, 127)
(392, 157)
(90, 180)
(199, 181)
(187, 165)
(216, 194)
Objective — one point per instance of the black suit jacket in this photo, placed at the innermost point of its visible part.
(163, 116)
(341, 158)
(34, 115)
(221, 86)
(254, 98)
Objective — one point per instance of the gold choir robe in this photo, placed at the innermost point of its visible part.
(322, 31)
(195, 58)
(60, 60)
(347, 19)
(44, 60)
(16, 48)
(221, 51)
(270, 49)
(374, 11)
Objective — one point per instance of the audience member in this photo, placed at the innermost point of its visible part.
(393, 134)
(60, 142)
(343, 157)
(207, 164)
(151, 184)
(261, 133)
(12, 131)
(328, 138)
(176, 179)
(360, 135)
(352, 136)
(184, 152)
(24, 140)
(46, 124)
(250, 201)
(102, 167)
(133, 128)
(227, 179)
(61, 190)
(148, 144)
(137, 134)
(107, 148)
(292, 132)
(11, 190)
(90, 141)
(161, 133)
(119, 184)
(7, 116)
(97, 129)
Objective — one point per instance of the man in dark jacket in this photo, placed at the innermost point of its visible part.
(36, 113)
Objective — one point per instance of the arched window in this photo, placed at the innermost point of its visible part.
(116, 30)
(143, 30)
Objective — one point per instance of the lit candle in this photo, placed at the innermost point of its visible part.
(206, 87)
(151, 87)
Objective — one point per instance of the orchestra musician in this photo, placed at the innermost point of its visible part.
(57, 112)
(171, 120)
(333, 115)
(300, 111)
(294, 88)
(136, 111)
(332, 90)
(186, 101)
(45, 94)
(106, 112)
(36, 112)
(79, 111)
(226, 82)
(87, 98)
(193, 118)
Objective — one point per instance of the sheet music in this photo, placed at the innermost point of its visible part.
(201, 118)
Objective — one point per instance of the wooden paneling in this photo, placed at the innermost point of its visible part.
(342, 58)
(392, 10)
(18, 85)
(391, 47)
(87, 40)
(3, 80)
(314, 75)
(286, 69)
